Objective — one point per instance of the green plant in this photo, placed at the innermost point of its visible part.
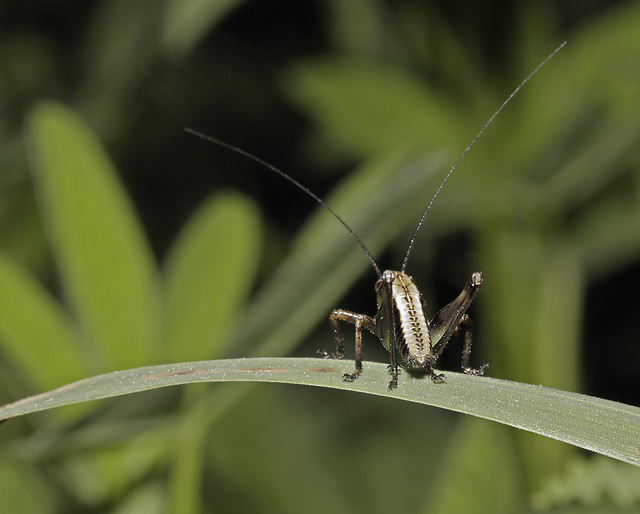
(546, 205)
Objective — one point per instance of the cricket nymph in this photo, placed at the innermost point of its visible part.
(400, 322)
(403, 329)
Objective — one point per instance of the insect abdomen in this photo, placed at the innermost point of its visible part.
(412, 332)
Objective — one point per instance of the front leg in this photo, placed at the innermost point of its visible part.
(360, 321)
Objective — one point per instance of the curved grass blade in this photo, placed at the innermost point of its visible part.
(602, 426)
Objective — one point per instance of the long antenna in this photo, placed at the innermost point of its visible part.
(424, 215)
(294, 182)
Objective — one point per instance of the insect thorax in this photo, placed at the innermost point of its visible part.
(399, 300)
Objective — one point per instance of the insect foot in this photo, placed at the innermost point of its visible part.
(351, 377)
(475, 372)
(437, 379)
(329, 355)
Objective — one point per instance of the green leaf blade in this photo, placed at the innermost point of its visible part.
(599, 425)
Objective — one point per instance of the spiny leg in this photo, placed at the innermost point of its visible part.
(334, 317)
(467, 325)
(360, 321)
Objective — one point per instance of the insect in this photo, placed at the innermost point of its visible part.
(400, 322)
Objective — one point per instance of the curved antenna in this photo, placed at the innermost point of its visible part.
(294, 182)
(515, 91)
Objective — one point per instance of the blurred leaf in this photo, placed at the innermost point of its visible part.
(607, 230)
(601, 158)
(601, 426)
(557, 320)
(285, 440)
(603, 54)
(23, 238)
(593, 482)
(358, 27)
(209, 271)
(106, 266)
(186, 22)
(477, 446)
(608, 236)
(149, 498)
(366, 109)
(190, 444)
(117, 57)
(35, 331)
(107, 471)
(18, 487)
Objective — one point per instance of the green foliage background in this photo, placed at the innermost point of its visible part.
(126, 242)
